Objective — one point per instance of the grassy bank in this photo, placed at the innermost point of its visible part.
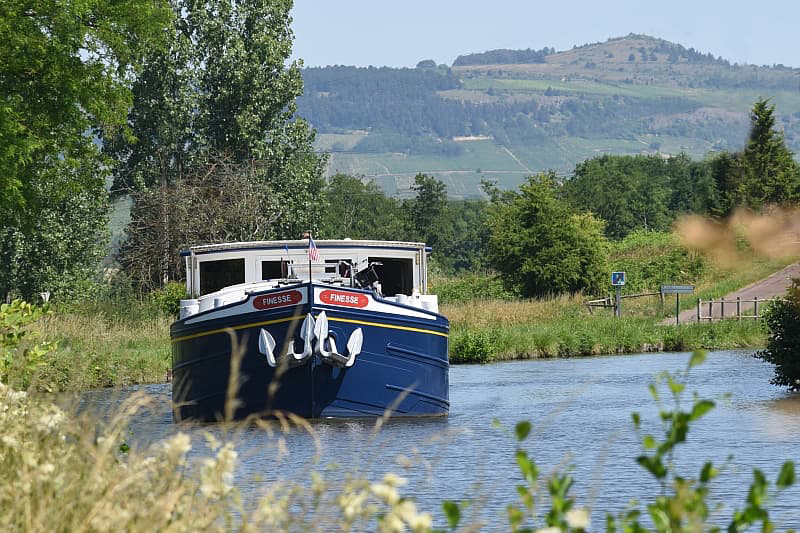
(494, 330)
(489, 324)
(104, 345)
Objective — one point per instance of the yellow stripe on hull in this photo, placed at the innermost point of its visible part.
(288, 319)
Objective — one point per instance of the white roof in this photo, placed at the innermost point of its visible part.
(301, 243)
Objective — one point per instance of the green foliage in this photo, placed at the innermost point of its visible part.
(783, 344)
(470, 287)
(213, 126)
(764, 173)
(168, 298)
(682, 504)
(540, 246)
(360, 210)
(20, 354)
(66, 70)
(641, 192)
(473, 347)
(651, 259)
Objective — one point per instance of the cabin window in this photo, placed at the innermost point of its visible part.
(395, 275)
(274, 269)
(340, 267)
(216, 275)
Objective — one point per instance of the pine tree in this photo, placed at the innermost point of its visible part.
(772, 175)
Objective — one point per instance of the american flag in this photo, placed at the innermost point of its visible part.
(313, 253)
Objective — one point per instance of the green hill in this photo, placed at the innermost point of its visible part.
(536, 110)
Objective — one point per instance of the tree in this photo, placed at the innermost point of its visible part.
(427, 210)
(359, 210)
(540, 246)
(66, 69)
(627, 192)
(764, 173)
(783, 321)
(224, 91)
(222, 201)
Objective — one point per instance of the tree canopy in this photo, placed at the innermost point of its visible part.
(764, 173)
(212, 114)
(540, 246)
(66, 70)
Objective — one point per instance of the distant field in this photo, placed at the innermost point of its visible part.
(786, 102)
(485, 160)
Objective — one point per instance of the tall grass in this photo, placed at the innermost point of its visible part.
(493, 330)
(105, 344)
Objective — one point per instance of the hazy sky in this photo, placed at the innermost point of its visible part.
(399, 33)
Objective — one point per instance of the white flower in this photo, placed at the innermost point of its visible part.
(385, 492)
(551, 529)
(578, 518)
(394, 480)
(179, 445)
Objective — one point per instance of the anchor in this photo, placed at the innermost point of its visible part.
(267, 344)
(326, 345)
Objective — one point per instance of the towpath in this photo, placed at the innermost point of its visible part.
(769, 287)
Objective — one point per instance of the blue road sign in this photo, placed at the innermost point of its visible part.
(618, 278)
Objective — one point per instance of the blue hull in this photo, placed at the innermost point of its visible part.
(403, 364)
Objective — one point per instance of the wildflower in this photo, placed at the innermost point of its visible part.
(178, 445)
(385, 492)
(352, 504)
(50, 420)
(394, 480)
(551, 529)
(578, 518)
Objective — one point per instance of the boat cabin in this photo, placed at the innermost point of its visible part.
(226, 272)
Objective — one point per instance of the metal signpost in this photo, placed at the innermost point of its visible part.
(677, 290)
(618, 280)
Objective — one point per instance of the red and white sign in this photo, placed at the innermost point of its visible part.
(277, 299)
(346, 299)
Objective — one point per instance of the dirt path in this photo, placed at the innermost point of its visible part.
(769, 287)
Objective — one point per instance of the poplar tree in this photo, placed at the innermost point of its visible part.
(225, 90)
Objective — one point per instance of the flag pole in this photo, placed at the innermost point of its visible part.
(309, 257)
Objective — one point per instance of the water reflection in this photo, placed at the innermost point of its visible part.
(580, 410)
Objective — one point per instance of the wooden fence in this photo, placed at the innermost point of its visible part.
(722, 308)
(608, 301)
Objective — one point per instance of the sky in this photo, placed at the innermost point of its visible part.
(400, 33)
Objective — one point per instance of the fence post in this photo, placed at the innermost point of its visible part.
(739, 308)
(755, 305)
(722, 308)
(711, 310)
(699, 300)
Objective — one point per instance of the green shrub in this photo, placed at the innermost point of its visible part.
(651, 259)
(473, 347)
(783, 344)
(168, 298)
(471, 287)
(20, 354)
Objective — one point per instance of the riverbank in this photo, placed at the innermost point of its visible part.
(126, 341)
(496, 330)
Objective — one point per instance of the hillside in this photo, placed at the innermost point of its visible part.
(549, 110)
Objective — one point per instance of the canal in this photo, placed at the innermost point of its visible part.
(580, 410)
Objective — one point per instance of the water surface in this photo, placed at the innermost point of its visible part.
(581, 415)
